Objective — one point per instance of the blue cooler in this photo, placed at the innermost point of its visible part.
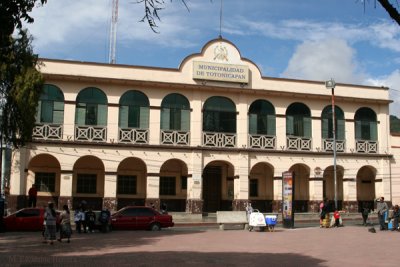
(270, 219)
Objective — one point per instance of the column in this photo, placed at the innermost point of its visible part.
(194, 202)
(112, 124)
(154, 127)
(65, 197)
(241, 185)
(110, 192)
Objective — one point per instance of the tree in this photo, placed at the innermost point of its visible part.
(389, 6)
(20, 81)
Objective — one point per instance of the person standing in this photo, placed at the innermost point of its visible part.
(336, 216)
(77, 220)
(65, 231)
(396, 215)
(50, 216)
(381, 208)
(90, 217)
(32, 196)
(365, 212)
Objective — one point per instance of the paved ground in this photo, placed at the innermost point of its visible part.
(207, 246)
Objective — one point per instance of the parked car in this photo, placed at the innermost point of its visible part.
(26, 219)
(140, 218)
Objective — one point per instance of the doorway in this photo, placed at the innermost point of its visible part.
(212, 186)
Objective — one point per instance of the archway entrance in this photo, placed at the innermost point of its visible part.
(329, 186)
(301, 187)
(218, 186)
(366, 187)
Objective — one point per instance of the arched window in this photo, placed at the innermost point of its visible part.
(175, 113)
(366, 124)
(298, 120)
(134, 110)
(51, 105)
(326, 117)
(262, 118)
(91, 107)
(219, 115)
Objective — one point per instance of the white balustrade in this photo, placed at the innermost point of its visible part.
(262, 141)
(298, 143)
(366, 146)
(328, 145)
(211, 139)
(91, 133)
(47, 131)
(133, 136)
(175, 137)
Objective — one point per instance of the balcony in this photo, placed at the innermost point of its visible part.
(298, 143)
(212, 139)
(91, 133)
(133, 136)
(177, 138)
(328, 145)
(48, 132)
(262, 141)
(366, 146)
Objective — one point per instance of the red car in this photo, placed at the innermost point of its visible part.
(26, 219)
(140, 218)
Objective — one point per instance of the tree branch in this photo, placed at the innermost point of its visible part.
(393, 13)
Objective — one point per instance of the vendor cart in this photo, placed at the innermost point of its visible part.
(257, 220)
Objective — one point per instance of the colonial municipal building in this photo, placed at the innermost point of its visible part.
(208, 136)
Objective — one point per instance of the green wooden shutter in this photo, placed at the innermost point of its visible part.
(165, 114)
(123, 116)
(144, 117)
(102, 115)
(340, 130)
(38, 112)
(358, 129)
(58, 113)
(307, 127)
(185, 120)
(289, 125)
(80, 114)
(252, 123)
(271, 125)
(373, 130)
(325, 128)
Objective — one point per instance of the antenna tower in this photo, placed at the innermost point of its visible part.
(113, 32)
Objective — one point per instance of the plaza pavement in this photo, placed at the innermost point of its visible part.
(206, 245)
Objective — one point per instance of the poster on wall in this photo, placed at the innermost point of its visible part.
(287, 199)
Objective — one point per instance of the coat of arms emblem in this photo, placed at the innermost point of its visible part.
(220, 53)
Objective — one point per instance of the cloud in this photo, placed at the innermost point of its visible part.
(393, 82)
(322, 60)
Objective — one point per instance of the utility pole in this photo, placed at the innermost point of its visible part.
(113, 32)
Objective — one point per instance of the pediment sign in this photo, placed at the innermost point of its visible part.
(221, 62)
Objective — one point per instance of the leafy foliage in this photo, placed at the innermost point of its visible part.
(20, 81)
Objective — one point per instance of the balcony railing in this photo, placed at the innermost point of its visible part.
(212, 139)
(133, 136)
(262, 141)
(47, 131)
(366, 146)
(328, 145)
(298, 143)
(175, 137)
(91, 133)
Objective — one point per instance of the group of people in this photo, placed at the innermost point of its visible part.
(50, 224)
(85, 221)
(324, 209)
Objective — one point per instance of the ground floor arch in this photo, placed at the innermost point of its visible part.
(44, 171)
(88, 182)
(366, 193)
(173, 185)
(329, 186)
(301, 187)
(131, 182)
(218, 186)
(261, 186)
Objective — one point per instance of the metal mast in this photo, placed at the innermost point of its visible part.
(113, 32)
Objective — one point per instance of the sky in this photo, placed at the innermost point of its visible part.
(309, 39)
